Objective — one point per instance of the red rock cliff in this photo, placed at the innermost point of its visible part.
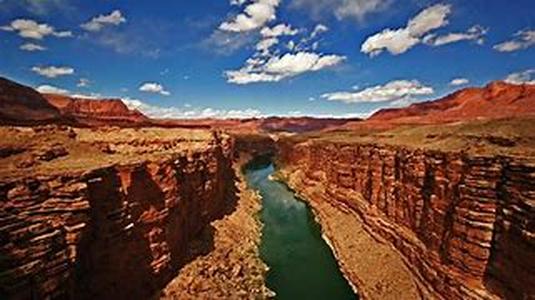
(464, 224)
(496, 100)
(95, 111)
(117, 232)
(23, 105)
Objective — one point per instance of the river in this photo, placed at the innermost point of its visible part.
(302, 266)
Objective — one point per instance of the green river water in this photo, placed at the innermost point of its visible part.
(301, 264)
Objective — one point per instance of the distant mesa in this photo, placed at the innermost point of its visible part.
(494, 101)
(95, 111)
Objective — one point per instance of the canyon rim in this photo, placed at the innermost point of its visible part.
(249, 150)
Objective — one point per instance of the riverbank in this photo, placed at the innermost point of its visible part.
(369, 263)
(227, 263)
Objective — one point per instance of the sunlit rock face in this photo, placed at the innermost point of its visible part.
(115, 231)
(464, 223)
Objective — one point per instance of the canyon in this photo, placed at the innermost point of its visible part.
(461, 219)
(433, 201)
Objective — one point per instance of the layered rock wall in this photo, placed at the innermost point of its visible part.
(464, 224)
(118, 232)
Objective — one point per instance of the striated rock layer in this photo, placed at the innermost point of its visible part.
(114, 232)
(463, 223)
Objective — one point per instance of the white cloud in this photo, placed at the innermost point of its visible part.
(522, 40)
(277, 68)
(397, 41)
(189, 113)
(398, 90)
(264, 45)
(32, 47)
(83, 82)
(30, 29)
(53, 71)
(525, 77)
(254, 16)
(474, 33)
(278, 30)
(50, 89)
(99, 22)
(459, 81)
(152, 87)
(320, 28)
(355, 9)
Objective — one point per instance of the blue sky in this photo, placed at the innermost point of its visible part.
(239, 58)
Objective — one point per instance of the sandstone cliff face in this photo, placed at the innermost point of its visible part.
(95, 111)
(464, 224)
(117, 232)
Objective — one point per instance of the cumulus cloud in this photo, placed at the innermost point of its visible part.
(152, 87)
(270, 37)
(396, 91)
(475, 33)
(99, 22)
(354, 9)
(524, 77)
(265, 44)
(522, 40)
(459, 81)
(53, 71)
(273, 62)
(397, 41)
(189, 113)
(278, 30)
(276, 68)
(30, 29)
(50, 89)
(254, 16)
(32, 47)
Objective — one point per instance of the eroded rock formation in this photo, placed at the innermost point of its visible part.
(117, 232)
(96, 111)
(23, 105)
(496, 100)
(463, 223)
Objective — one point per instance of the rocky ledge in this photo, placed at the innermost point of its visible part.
(112, 215)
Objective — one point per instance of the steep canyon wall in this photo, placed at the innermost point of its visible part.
(118, 232)
(464, 224)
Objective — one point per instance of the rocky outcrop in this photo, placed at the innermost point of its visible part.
(116, 232)
(96, 111)
(464, 224)
(22, 105)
